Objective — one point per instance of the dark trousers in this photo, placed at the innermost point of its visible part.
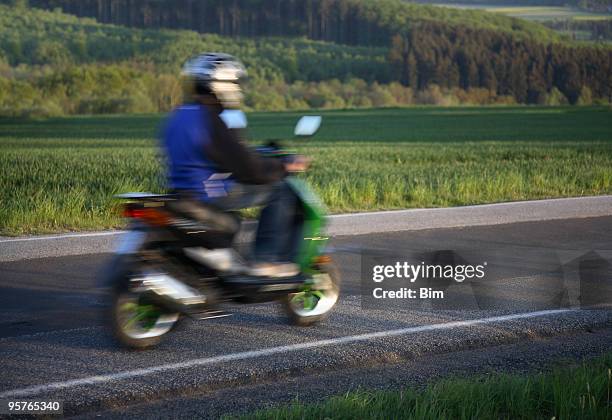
(280, 224)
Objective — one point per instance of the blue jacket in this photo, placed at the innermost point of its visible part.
(206, 158)
(187, 134)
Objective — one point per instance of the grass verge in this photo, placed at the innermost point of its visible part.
(576, 392)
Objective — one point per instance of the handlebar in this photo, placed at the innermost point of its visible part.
(273, 149)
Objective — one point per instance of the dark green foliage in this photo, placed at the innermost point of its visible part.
(363, 22)
(432, 53)
(35, 37)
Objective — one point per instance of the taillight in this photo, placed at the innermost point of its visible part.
(149, 215)
(130, 212)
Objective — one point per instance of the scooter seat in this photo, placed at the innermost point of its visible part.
(206, 214)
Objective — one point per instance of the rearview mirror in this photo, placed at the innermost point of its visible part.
(234, 118)
(308, 125)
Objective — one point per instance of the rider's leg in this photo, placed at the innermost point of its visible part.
(276, 226)
(275, 222)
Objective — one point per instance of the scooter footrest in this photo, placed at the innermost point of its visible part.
(265, 284)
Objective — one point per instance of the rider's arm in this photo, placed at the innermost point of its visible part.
(247, 166)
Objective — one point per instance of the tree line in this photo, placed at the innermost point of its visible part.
(354, 22)
(121, 89)
(431, 53)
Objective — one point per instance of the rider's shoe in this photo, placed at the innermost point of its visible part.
(229, 262)
(225, 260)
(274, 270)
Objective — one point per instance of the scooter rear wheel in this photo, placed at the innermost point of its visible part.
(135, 323)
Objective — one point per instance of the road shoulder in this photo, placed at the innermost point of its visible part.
(528, 356)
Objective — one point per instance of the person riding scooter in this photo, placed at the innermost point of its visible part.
(209, 163)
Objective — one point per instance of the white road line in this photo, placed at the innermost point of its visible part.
(130, 374)
(503, 204)
(66, 236)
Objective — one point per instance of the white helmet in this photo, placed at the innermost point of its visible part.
(216, 73)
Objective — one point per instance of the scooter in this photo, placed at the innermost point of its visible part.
(168, 267)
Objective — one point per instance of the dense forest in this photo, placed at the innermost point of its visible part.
(355, 22)
(52, 63)
(523, 69)
(35, 37)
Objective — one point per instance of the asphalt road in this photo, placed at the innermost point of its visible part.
(53, 343)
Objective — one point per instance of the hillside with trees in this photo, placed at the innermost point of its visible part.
(523, 69)
(35, 37)
(52, 63)
(354, 22)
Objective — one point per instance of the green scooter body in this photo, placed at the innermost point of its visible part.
(313, 242)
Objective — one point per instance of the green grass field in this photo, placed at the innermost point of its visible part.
(548, 13)
(570, 392)
(535, 13)
(60, 174)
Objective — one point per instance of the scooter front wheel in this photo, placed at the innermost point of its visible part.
(316, 301)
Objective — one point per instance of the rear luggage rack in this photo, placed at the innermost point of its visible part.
(145, 196)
